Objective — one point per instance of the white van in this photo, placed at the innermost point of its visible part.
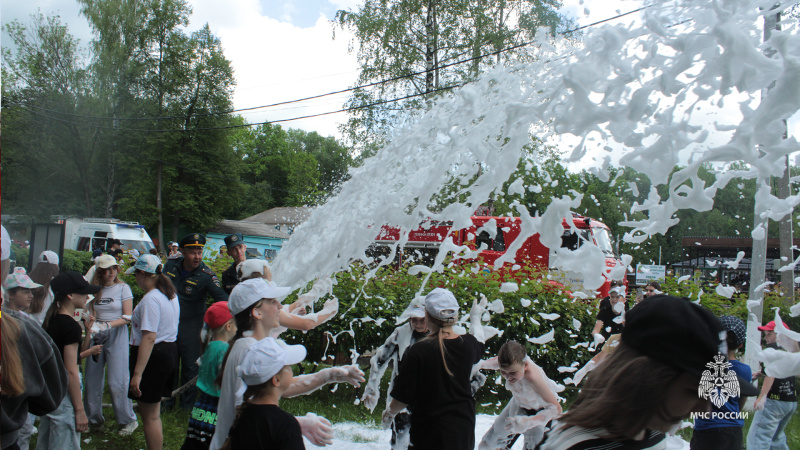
(89, 234)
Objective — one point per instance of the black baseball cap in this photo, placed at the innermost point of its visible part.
(675, 331)
(71, 282)
(234, 240)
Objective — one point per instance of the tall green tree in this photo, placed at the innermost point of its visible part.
(398, 38)
(158, 77)
(46, 89)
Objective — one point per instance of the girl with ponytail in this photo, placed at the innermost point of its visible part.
(154, 351)
(439, 397)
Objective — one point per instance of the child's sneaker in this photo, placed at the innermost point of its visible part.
(128, 429)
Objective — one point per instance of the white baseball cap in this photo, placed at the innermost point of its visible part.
(48, 256)
(441, 304)
(248, 267)
(266, 358)
(250, 291)
(105, 261)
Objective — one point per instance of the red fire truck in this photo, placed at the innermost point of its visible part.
(423, 244)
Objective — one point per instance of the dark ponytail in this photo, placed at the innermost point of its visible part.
(52, 311)
(244, 322)
(164, 284)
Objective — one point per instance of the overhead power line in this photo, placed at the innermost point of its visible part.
(340, 91)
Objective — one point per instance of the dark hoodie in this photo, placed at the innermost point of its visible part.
(45, 379)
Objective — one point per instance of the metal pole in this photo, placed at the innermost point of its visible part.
(758, 258)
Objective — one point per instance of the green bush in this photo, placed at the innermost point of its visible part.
(20, 255)
(80, 262)
(368, 310)
(735, 306)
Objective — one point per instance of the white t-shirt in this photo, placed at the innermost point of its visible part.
(155, 313)
(228, 400)
(107, 304)
(5, 242)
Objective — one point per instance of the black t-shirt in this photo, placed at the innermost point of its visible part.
(783, 389)
(266, 427)
(65, 331)
(607, 315)
(442, 407)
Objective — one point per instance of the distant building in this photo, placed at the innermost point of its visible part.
(263, 241)
(284, 219)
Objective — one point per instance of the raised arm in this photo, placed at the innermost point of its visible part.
(377, 367)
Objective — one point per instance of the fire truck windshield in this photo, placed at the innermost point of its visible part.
(602, 239)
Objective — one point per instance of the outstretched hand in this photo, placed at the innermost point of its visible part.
(347, 374)
(316, 429)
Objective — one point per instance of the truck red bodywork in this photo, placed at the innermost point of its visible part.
(532, 253)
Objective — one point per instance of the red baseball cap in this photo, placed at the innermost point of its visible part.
(217, 315)
(771, 326)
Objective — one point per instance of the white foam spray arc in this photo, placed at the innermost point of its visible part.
(639, 86)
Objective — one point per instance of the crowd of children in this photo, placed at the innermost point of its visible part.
(651, 360)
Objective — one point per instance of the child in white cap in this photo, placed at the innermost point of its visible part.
(255, 305)
(260, 423)
(392, 351)
(434, 380)
(292, 317)
(20, 290)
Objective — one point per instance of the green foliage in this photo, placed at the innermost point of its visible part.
(387, 294)
(21, 256)
(80, 262)
(395, 39)
(735, 306)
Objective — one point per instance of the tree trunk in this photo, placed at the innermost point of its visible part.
(430, 45)
(176, 222)
(160, 212)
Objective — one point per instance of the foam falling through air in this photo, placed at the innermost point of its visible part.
(637, 86)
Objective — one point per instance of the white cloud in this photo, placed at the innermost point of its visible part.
(275, 61)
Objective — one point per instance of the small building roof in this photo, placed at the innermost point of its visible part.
(282, 216)
(247, 228)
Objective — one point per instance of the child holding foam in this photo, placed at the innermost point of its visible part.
(260, 422)
(534, 401)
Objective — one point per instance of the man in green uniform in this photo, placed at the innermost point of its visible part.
(236, 249)
(195, 282)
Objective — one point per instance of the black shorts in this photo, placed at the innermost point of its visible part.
(158, 373)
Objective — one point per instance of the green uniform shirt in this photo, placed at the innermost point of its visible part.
(194, 288)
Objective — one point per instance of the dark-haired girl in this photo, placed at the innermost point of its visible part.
(154, 352)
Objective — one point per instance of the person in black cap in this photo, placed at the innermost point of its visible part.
(649, 384)
(236, 249)
(114, 245)
(195, 283)
(61, 428)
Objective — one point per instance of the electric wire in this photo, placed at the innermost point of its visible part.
(340, 91)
